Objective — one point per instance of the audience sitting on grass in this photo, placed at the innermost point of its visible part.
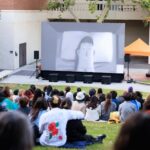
(37, 94)
(15, 95)
(75, 93)
(135, 102)
(92, 92)
(93, 110)
(77, 132)
(134, 133)
(43, 109)
(126, 108)
(23, 102)
(6, 103)
(139, 98)
(15, 131)
(107, 107)
(52, 124)
(79, 103)
(68, 93)
(38, 109)
(48, 91)
(101, 98)
(62, 95)
(32, 88)
(114, 99)
(99, 92)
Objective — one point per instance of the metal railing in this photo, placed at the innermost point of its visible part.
(118, 10)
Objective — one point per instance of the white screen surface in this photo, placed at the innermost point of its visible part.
(103, 45)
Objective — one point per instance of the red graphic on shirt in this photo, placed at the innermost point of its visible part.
(52, 128)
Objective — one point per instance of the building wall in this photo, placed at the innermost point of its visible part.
(22, 4)
(6, 41)
(16, 27)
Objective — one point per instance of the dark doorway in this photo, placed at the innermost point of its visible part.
(22, 54)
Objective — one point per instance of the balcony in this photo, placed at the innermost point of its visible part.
(118, 11)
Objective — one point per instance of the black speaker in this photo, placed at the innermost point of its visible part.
(127, 58)
(53, 77)
(36, 54)
(70, 78)
(106, 79)
(88, 78)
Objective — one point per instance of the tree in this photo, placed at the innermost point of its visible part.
(146, 5)
(64, 5)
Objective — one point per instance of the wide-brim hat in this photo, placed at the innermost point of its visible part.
(80, 96)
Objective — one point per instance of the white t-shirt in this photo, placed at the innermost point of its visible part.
(52, 125)
(93, 114)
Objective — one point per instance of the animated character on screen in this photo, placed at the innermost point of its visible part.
(85, 55)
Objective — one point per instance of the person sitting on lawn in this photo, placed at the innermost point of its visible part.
(39, 108)
(23, 102)
(77, 132)
(79, 103)
(134, 133)
(16, 131)
(126, 108)
(93, 110)
(107, 107)
(52, 124)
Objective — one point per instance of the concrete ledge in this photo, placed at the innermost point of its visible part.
(5, 73)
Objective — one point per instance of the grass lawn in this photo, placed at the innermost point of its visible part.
(73, 88)
(94, 128)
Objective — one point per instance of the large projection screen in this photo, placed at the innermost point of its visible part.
(83, 47)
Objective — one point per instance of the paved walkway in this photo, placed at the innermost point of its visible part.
(27, 78)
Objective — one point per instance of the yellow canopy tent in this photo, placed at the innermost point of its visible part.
(138, 48)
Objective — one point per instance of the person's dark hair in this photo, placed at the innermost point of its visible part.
(61, 93)
(107, 102)
(55, 101)
(16, 91)
(2, 96)
(113, 94)
(93, 102)
(38, 93)
(87, 98)
(99, 91)
(67, 89)
(66, 104)
(49, 89)
(54, 92)
(23, 101)
(138, 94)
(92, 92)
(40, 104)
(6, 91)
(16, 131)
(134, 133)
(45, 88)
(78, 89)
(102, 98)
(28, 93)
(133, 96)
(32, 88)
(127, 96)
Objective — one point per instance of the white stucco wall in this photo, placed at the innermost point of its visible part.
(6, 41)
(18, 27)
